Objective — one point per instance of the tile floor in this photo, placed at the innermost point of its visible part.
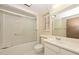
(23, 49)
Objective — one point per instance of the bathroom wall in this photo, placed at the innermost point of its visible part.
(38, 28)
(18, 30)
(1, 17)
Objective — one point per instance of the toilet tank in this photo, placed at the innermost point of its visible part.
(42, 39)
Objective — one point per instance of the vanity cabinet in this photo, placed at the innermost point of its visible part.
(50, 49)
(65, 52)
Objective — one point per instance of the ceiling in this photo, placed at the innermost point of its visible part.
(38, 8)
(33, 10)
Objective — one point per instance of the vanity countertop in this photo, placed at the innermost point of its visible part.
(46, 36)
(63, 42)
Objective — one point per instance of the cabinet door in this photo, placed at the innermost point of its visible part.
(49, 51)
(52, 47)
(66, 52)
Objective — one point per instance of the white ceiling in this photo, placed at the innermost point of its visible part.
(38, 8)
(34, 10)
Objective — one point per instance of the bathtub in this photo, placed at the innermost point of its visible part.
(22, 49)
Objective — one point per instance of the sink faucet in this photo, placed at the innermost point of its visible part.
(58, 38)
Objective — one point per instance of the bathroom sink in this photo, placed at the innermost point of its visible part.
(59, 40)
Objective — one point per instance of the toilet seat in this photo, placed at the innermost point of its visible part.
(39, 49)
(38, 46)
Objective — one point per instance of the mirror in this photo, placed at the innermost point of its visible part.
(59, 27)
(47, 22)
(66, 23)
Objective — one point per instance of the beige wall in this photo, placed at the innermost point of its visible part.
(1, 17)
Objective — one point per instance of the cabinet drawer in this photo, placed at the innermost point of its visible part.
(48, 51)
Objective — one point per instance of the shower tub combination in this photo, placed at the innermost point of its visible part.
(17, 31)
(22, 49)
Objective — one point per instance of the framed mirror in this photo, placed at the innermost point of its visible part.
(66, 23)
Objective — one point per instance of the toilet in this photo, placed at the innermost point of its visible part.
(39, 49)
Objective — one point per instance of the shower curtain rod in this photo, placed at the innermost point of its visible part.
(15, 13)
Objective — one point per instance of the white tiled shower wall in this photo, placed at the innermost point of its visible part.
(16, 30)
